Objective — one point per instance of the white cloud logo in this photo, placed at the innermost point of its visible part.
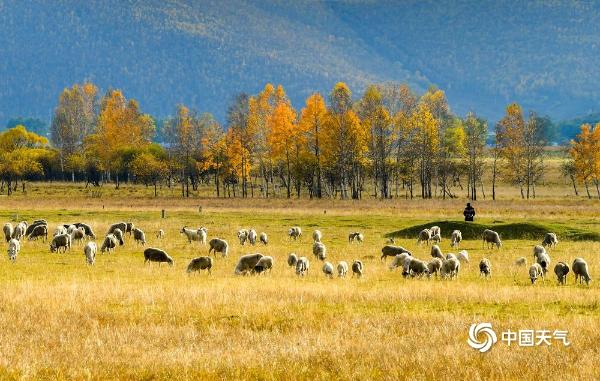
(486, 330)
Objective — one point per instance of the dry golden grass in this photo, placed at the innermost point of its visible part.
(121, 319)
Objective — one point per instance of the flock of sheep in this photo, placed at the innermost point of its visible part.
(445, 266)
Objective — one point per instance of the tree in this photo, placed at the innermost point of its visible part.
(475, 136)
(312, 120)
(427, 143)
(282, 137)
(150, 168)
(237, 122)
(585, 155)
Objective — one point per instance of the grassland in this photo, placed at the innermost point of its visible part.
(121, 319)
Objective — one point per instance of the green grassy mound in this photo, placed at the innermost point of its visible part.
(520, 230)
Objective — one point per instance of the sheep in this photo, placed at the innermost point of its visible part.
(263, 238)
(191, 234)
(392, 251)
(218, 246)
(491, 238)
(71, 228)
(252, 237)
(391, 241)
(424, 236)
(456, 238)
(139, 236)
(14, 246)
(87, 230)
(264, 264)
(62, 241)
(399, 260)
(8, 229)
(436, 252)
(60, 229)
(37, 232)
(319, 250)
(434, 267)
(356, 236)
(435, 230)
(129, 227)
(521, 261)
(118, 233)
(581, 271)
(119, 225)
(292, 259)
(463, 256)
(436, 238)
(89, 250)
(317, 236)
(77, 235)
(415, 267)
(357, 268)
(451, 256)
(328, 269)
(342, 269)
(544, 260)
(246, 263)
(160, 234)
(152, 254)
(450, 268)
(200, 263)
(485, 268)
(302, 266)
(202, 235)
(537, 250)
(550, 240)
(110, 242)
(295, 232)
(561, 270)
(35, 224)
(242, 235)
(19, 231)
(535, 272)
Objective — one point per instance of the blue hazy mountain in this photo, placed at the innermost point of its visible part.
(201, 53)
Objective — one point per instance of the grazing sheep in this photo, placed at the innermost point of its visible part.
(263, 238)
(463, 256)
(317, 236)
(392, 251)
(129, 227)
(242, 235)
(139, 236)
(295, 232)
(119, 225)
(491, 238)
(19, 231)
(550, 240)
(119, 234)
(356, 236)
(581, 271)
(535, 272)
(191, 234)
(302, 266)
(436, 238)
(450, 268)
(35, 224)
(357, 268)
(160, 234)
(60, 229)
(110, 242)
(456, 238)
(292, 259)
(537, 250)
(544, 260)
(521, 261)
(451, 256)
(485, 267)
(77, 235)
(436, 252)
(561, 270)
(71, 228)
(37, 232)
(246, 263)
(319, 250)
(415, 267)
(7, 229)
(62, 241)
(399, 261)
(200, 263)
(264, 264)
(424, 236)
(202, 235)
(152, 254)
(14, 246)
(434, 266)
(252, 237)
(435, 230)
(328, 269)
(89, 250)
(342, 269)
(218, 246)
(391, 241)
(87, 229)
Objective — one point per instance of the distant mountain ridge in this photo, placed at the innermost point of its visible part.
(484, 54)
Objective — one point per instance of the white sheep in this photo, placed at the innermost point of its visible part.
(544, 260)
(202, 235)
(435, 230)
(14, 246)
(319, 250)
(8, 229)
(292, 259)
(450, 268)
(77, 235)
(550, 240)
(535, 272)
(399, 261)
(90, 250)
(264, 264)
(242, 235)
(434, 266)
(246, 263)
(160, 234)
(581, 271)
(424, 236)
(263, 238)
(456, 238)
(436, 252)
(252, 236)
(139, 236)
(561, 270)
(492, 238)
(342, 269)
(436, 238)
(357, 268)
(521, 261)
(463, 256)
(485, 267)
(302, 266)
(355, 236)
(295, 232)
(317, 236)
(328, 269)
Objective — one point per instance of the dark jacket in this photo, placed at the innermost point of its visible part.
(469, 213)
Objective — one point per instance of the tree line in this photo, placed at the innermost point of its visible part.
(389, 142)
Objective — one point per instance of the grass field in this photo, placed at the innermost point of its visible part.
(121, 319)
